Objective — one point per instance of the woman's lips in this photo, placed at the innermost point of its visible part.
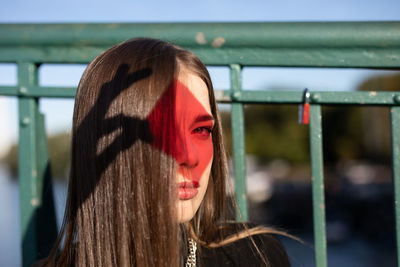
(187, 190)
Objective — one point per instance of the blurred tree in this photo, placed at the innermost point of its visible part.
(376, 120)
(342, 133)
(59, 151)
(352, 132)
(349, 132)
(272, 131)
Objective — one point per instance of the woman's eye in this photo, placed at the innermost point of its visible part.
(202, 131)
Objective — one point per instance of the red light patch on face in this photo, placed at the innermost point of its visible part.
(181, 127)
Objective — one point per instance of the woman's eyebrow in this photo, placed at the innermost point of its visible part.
(203, 117)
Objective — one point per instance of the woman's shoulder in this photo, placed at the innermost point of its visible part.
(251, 248)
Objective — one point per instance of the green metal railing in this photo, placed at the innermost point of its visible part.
(343, 45)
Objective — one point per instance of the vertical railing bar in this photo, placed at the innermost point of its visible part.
(38, 219)
(45, 217)
(317, 178)
(395, 129)
(27, 171)
(238, 143)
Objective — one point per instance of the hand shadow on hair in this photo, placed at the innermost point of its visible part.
(127, 125)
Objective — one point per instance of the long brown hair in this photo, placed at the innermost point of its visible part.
(119, 212)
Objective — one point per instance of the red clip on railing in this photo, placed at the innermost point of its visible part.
(304, 108)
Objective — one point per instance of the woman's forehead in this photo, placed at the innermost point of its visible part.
(197, 88)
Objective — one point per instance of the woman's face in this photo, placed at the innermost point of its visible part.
(187, 137)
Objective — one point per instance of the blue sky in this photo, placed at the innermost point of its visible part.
(47, 11)
(206, 10)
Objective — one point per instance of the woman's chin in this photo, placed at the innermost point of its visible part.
(186, 209)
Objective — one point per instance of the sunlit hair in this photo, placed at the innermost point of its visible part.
(121, 203)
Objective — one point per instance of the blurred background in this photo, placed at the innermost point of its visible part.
(359, 188)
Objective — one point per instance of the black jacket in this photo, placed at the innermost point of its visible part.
(243, 253)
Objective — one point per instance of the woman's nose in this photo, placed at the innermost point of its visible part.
(187, 153)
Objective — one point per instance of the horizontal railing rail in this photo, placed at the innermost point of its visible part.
(378, 98)
(334, 44)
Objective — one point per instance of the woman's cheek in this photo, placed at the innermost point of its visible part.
(206, 151)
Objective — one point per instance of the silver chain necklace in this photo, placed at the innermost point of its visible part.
(191, 260)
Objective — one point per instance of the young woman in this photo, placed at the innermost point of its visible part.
(148, 173)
